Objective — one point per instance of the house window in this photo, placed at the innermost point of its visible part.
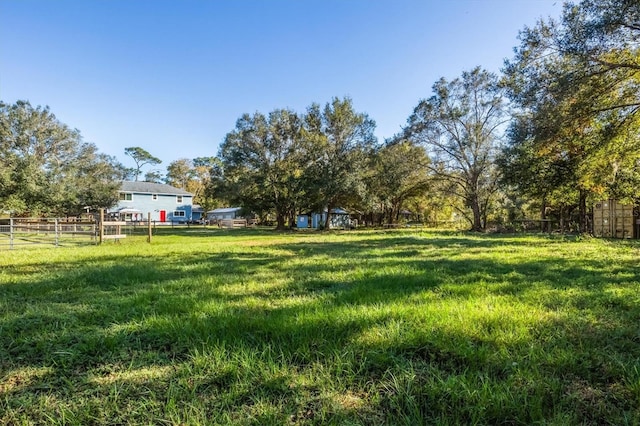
(178, 213)
(126, 196)
(179, 199)
(154, 197)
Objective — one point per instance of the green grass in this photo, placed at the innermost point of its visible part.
(256, 327)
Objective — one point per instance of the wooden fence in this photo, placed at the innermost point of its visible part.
(15, 232)
(232, 223)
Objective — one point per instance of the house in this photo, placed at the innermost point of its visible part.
(224, 213)
(165, 202)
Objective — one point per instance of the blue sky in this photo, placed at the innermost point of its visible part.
(174, 76)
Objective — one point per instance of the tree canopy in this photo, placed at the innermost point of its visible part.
(339, 143)
(46, 168)
(260, 162)
(461, 126)
(576, 83)
(141, 158)
(289, 163)
(400, 172)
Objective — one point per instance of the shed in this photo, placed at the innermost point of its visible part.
(339, 218)
(224, 213)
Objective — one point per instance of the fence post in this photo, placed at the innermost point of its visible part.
(101, 227)
(10, 233)
(55, 231)
(149, 227)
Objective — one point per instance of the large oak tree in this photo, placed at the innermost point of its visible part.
(339, 142)
(46, 168)
(260, 162)
(461, 126)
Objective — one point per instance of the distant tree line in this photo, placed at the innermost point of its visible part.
(556, 131)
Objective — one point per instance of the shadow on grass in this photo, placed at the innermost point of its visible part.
(334, 303)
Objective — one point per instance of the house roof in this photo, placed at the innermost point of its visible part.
(151, 188)
(225, 210)
(339, 211)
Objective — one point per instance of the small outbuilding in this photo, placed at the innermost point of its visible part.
(613, 219)
(224, 213)
(197, 213)
(339, 219)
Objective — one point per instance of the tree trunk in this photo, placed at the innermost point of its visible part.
(327, 220)
(292, 218)
(543, 215)
(583, 212)
(477, 216)
(280, 221)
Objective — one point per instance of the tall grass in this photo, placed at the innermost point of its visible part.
(254, 327)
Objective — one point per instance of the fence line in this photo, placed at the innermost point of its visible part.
(45, 231)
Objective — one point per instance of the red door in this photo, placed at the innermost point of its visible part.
(163, 216)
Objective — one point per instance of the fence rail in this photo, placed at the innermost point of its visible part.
(16, 232)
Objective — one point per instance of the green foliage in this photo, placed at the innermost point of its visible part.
(203, 185)
(287, 163)
(340, 141)
(179, 173)
(142, 158)
(46, 168)
(400, 173)
(261, 163)
(255, 327)
(461, 126)
(153, 176)
(577, 84)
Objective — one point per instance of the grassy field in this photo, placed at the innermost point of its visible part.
(257, 327)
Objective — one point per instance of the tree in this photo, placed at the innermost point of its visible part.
(197, 177)
(259, 162)
(153, 176)
(205, 184)
(46, 168)
(400, 172)
(577, 83)
(339, 141)
(179, 173)
(461, 125)
(95, 183)
(141, 157)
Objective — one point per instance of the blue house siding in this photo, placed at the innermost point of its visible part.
(196, 212)
(164, 202)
